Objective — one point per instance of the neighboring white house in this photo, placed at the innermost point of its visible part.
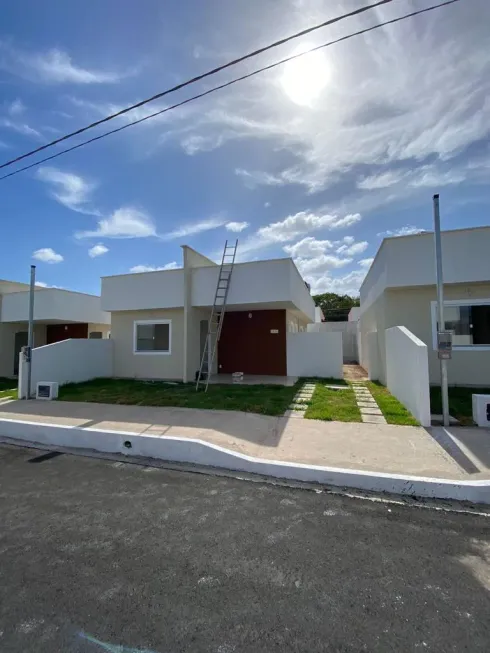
(159, 320)
(58, 315)
(400, 290)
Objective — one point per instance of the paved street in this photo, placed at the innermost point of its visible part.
(105, 556)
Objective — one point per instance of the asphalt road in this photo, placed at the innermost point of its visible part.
(102, 556)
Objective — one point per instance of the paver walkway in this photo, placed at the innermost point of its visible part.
(370, 411)
(300, 401)
(371, 447)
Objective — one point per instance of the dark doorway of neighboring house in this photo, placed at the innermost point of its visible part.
(59, 332)
(480, 316)
(20, 341)
(203, 334)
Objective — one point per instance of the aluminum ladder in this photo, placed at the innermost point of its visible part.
(215, 323)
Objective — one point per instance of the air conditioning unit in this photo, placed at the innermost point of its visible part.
(47, 390)
(481, 410)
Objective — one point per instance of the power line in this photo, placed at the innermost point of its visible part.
(198, 78)
(230, 83)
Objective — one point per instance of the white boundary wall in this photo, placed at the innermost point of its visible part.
(315, 354)
(68, 361)
(349, 336)
(407, 372)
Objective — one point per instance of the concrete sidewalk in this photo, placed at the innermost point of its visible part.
(455, 454)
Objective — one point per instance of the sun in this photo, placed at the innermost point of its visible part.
(304, 78)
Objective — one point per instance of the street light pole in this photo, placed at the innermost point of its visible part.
(440, 309)
(30, 332)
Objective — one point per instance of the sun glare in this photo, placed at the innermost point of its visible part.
(305, 78)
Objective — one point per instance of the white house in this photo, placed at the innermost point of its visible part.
(159, 320)
(400, 290)
(58, 315)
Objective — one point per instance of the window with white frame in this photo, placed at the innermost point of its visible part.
(152, 337)
(467, 320)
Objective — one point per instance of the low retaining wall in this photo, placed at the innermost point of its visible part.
(68, 361)
(198, 452)
(315, 354)
(407, 372)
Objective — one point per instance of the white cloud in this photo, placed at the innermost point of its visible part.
(125, 222)
(16, 107)
(47, 255)
(301, 223)
(97, 250)
(53, 67)
(354, 249)
(348, 284)
(408, 230)
(21, 128)
(148, 268)
(42, 284)
(319, 264)
(365, 262)
(308, 246)
(369, 114)
(69, 189)
(236, 226)
(348, 240)
(193, 229)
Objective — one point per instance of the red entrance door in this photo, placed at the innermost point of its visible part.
(58, 332)
(253, 342)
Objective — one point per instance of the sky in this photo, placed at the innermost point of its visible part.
(318, 159)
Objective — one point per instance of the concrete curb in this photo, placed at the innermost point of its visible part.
(199, 452)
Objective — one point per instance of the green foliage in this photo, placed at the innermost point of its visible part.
(335, 307)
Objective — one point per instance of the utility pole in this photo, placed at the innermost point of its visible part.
(30, 332)
(443, 338)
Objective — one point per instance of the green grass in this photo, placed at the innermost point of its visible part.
(394, 412)
(263, 399)
(333, 405)
(460, 402)
(8, 388)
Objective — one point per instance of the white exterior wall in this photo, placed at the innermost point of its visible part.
(69, 361)
(371, 361)
(128, 364)
(409, 261)
(354, 314)
(407, 372)
(53, 304)
(314, 354)
(143, 291)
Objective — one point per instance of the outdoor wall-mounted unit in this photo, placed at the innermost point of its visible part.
(47, 390)
(481, 410)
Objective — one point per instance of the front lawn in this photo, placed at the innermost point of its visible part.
(8, 388)
(393, 411)
(333, 405)
(460, 402)
(263, 399)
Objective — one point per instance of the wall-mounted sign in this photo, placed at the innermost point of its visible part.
(274, 330)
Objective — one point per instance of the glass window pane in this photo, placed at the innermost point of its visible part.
(145, 331)
(152, 337)
(457, 321)
(162, 337)
(480, 325)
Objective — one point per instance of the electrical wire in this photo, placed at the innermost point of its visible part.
(198, 78)
(231, 82)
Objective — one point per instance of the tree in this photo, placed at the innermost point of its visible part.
(335, 308)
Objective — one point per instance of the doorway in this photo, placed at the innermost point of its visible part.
(20, 341)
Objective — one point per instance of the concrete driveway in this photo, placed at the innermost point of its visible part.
(105, 556)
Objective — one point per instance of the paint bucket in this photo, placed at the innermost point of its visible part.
(237, 377)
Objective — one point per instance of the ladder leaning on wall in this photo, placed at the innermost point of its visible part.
(217, 317)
